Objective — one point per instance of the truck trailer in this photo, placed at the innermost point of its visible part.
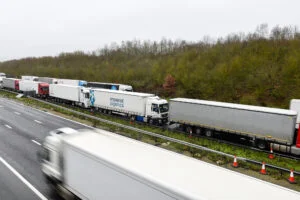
(71, 82)
(261, 126)
(48, 80)
(138, 106)
(34, 88)
(29, 78)
(11, 83)
(76, 95)
(97, 164)
(110, 86)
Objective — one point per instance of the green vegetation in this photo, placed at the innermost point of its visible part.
(259, 68)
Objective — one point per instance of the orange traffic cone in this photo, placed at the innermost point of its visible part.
(271, 155)
(235, 163)
(263, 169)
(292, 178)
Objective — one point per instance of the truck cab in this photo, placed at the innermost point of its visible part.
(85, 97)
(157, 110)
(43, 89)
(17, 86)
(51, 154)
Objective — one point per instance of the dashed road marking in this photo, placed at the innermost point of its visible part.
(17, 113)
(17, 174)
(38, 121)
(36, 142)
(7, 126)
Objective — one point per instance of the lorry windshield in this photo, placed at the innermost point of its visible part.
(45, 89)
(164, 108)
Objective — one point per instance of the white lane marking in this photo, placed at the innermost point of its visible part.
(17, 113)
(36, 142)
(8, 126)
(17, 174)
(48, 113)
(37, 121)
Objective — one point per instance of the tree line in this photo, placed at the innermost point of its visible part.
(258, 68)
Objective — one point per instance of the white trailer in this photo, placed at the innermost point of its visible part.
(10, 83)
(76, 95)
(34, 88)
(102, 165)
(259, 125)
(29, 78)
(139, 106)
(48, 80)
(71, 82)
(110, 86)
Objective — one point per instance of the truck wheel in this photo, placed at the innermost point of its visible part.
(151, 121)
(208, 133)
(198, 131)
(261, 144)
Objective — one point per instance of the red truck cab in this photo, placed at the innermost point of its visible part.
(17, 87)
(43, 89)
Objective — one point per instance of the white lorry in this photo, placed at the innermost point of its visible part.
(76, 95)
(34, 88)
(97, 164)
(139, 106)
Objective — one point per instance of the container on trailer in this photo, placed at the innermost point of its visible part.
(38, 88)
(48, 80)
(126, 102)
(11, 83)
(254, 121)
(110, 86)
(77, 94)
(72, 82)
(66, 92)
(29, 78)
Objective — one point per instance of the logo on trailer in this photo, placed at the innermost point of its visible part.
(114, 87)
(117, 102)
(92, 97)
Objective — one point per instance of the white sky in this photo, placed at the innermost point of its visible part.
(48, 27)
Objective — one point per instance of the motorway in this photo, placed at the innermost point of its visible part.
(22, 130)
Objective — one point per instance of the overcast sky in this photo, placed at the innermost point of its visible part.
(48, 27)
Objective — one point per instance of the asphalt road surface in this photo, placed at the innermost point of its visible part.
(22, 130)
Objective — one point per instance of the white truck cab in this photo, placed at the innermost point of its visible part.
(51, 159)
(157, 110)
(85, 97)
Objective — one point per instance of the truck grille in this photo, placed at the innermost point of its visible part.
(164, 115)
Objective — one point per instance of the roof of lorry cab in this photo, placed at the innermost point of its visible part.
(237, 106)
(179, 175)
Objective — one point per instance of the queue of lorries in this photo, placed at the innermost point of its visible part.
(259, 126)
(97, 164)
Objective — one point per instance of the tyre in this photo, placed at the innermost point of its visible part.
(198, 131)
(208, 133)
(261, 144)
(151, 121)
